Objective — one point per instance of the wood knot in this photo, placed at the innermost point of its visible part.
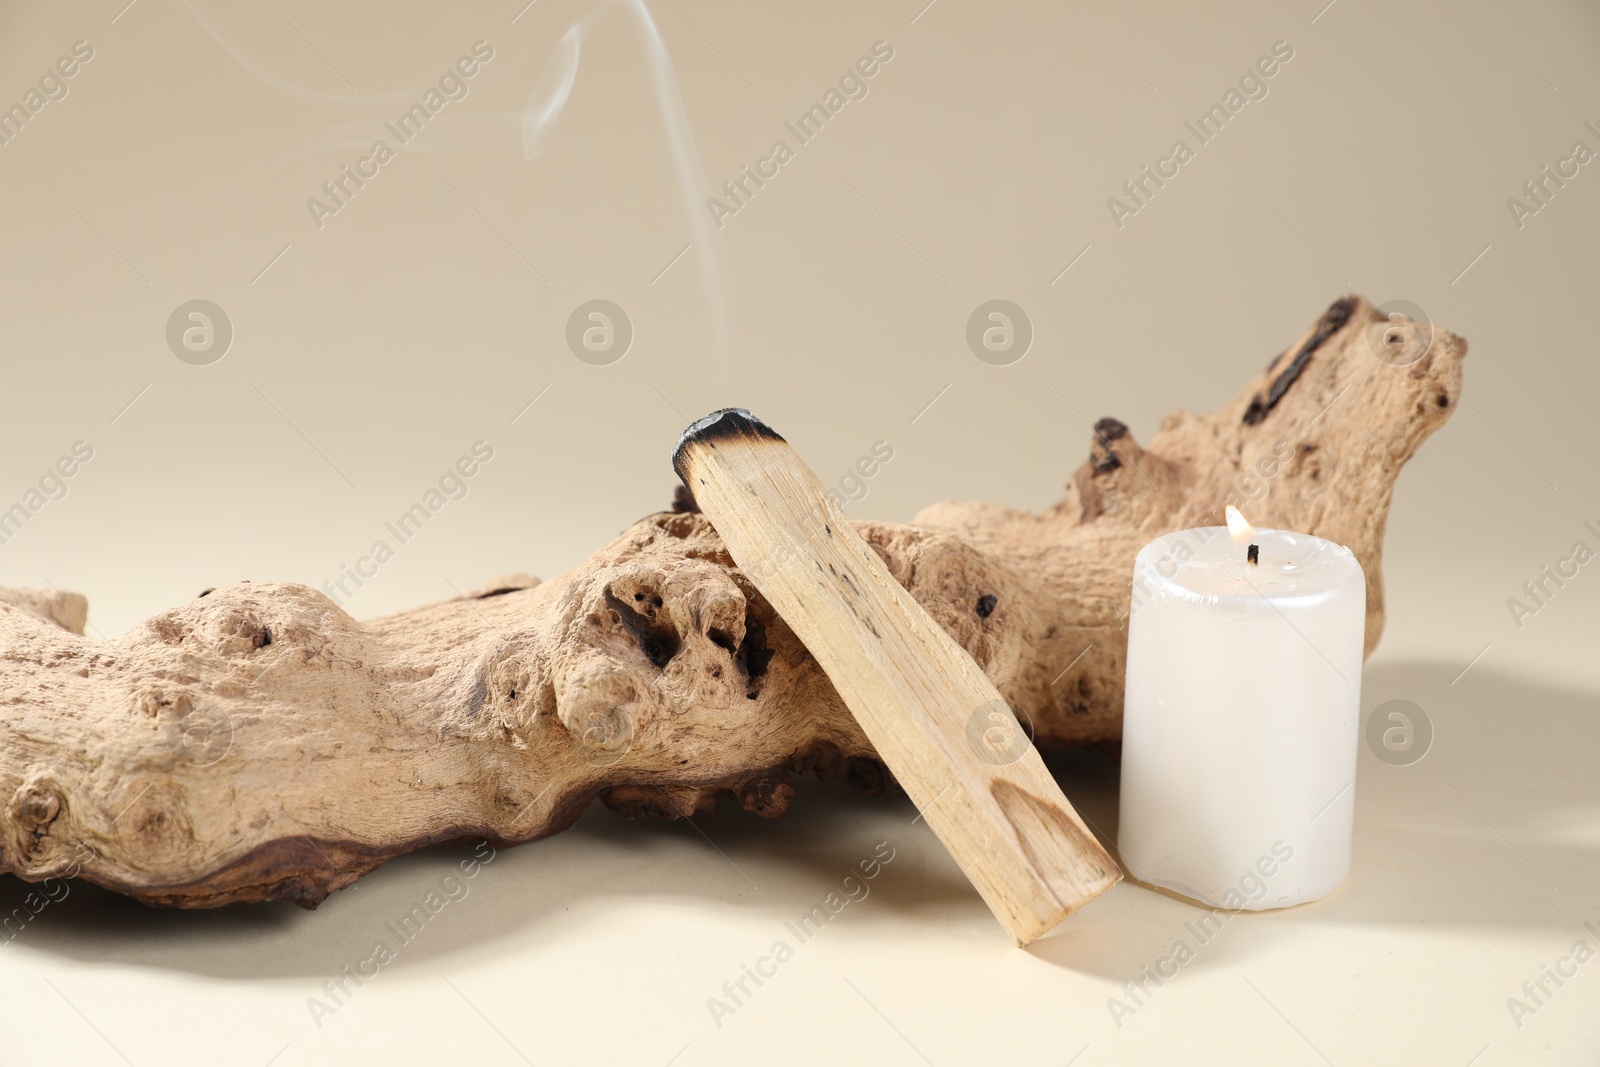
(25, 834)
(768, 796)
(867, 776)
(35, 806)
(1105, 455)
(1111, 429)
(155, 822)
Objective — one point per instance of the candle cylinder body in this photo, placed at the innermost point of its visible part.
(1242, 717)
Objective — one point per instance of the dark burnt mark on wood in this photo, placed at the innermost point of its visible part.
(1333, 320)
(1111, 429)
(1103, 458)
(1106, 463)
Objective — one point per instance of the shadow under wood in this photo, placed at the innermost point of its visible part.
(1508, 757)
(545, 889)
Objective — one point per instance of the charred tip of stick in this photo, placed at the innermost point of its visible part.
(726, 424)
(1253, 554)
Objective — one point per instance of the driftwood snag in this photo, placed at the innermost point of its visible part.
(933, 716)
(258, 743)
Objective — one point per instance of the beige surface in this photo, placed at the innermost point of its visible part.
(416, 322)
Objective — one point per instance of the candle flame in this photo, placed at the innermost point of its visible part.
(1240, 530)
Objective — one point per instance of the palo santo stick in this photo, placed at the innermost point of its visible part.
(928, 709)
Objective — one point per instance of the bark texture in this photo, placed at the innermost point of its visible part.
(258, 743)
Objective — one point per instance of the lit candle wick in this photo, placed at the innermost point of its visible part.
(1244, 534)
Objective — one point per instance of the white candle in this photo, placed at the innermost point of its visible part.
(1242, 715)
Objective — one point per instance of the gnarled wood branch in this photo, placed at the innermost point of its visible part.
(258, 743)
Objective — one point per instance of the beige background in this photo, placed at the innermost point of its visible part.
(424, 316)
